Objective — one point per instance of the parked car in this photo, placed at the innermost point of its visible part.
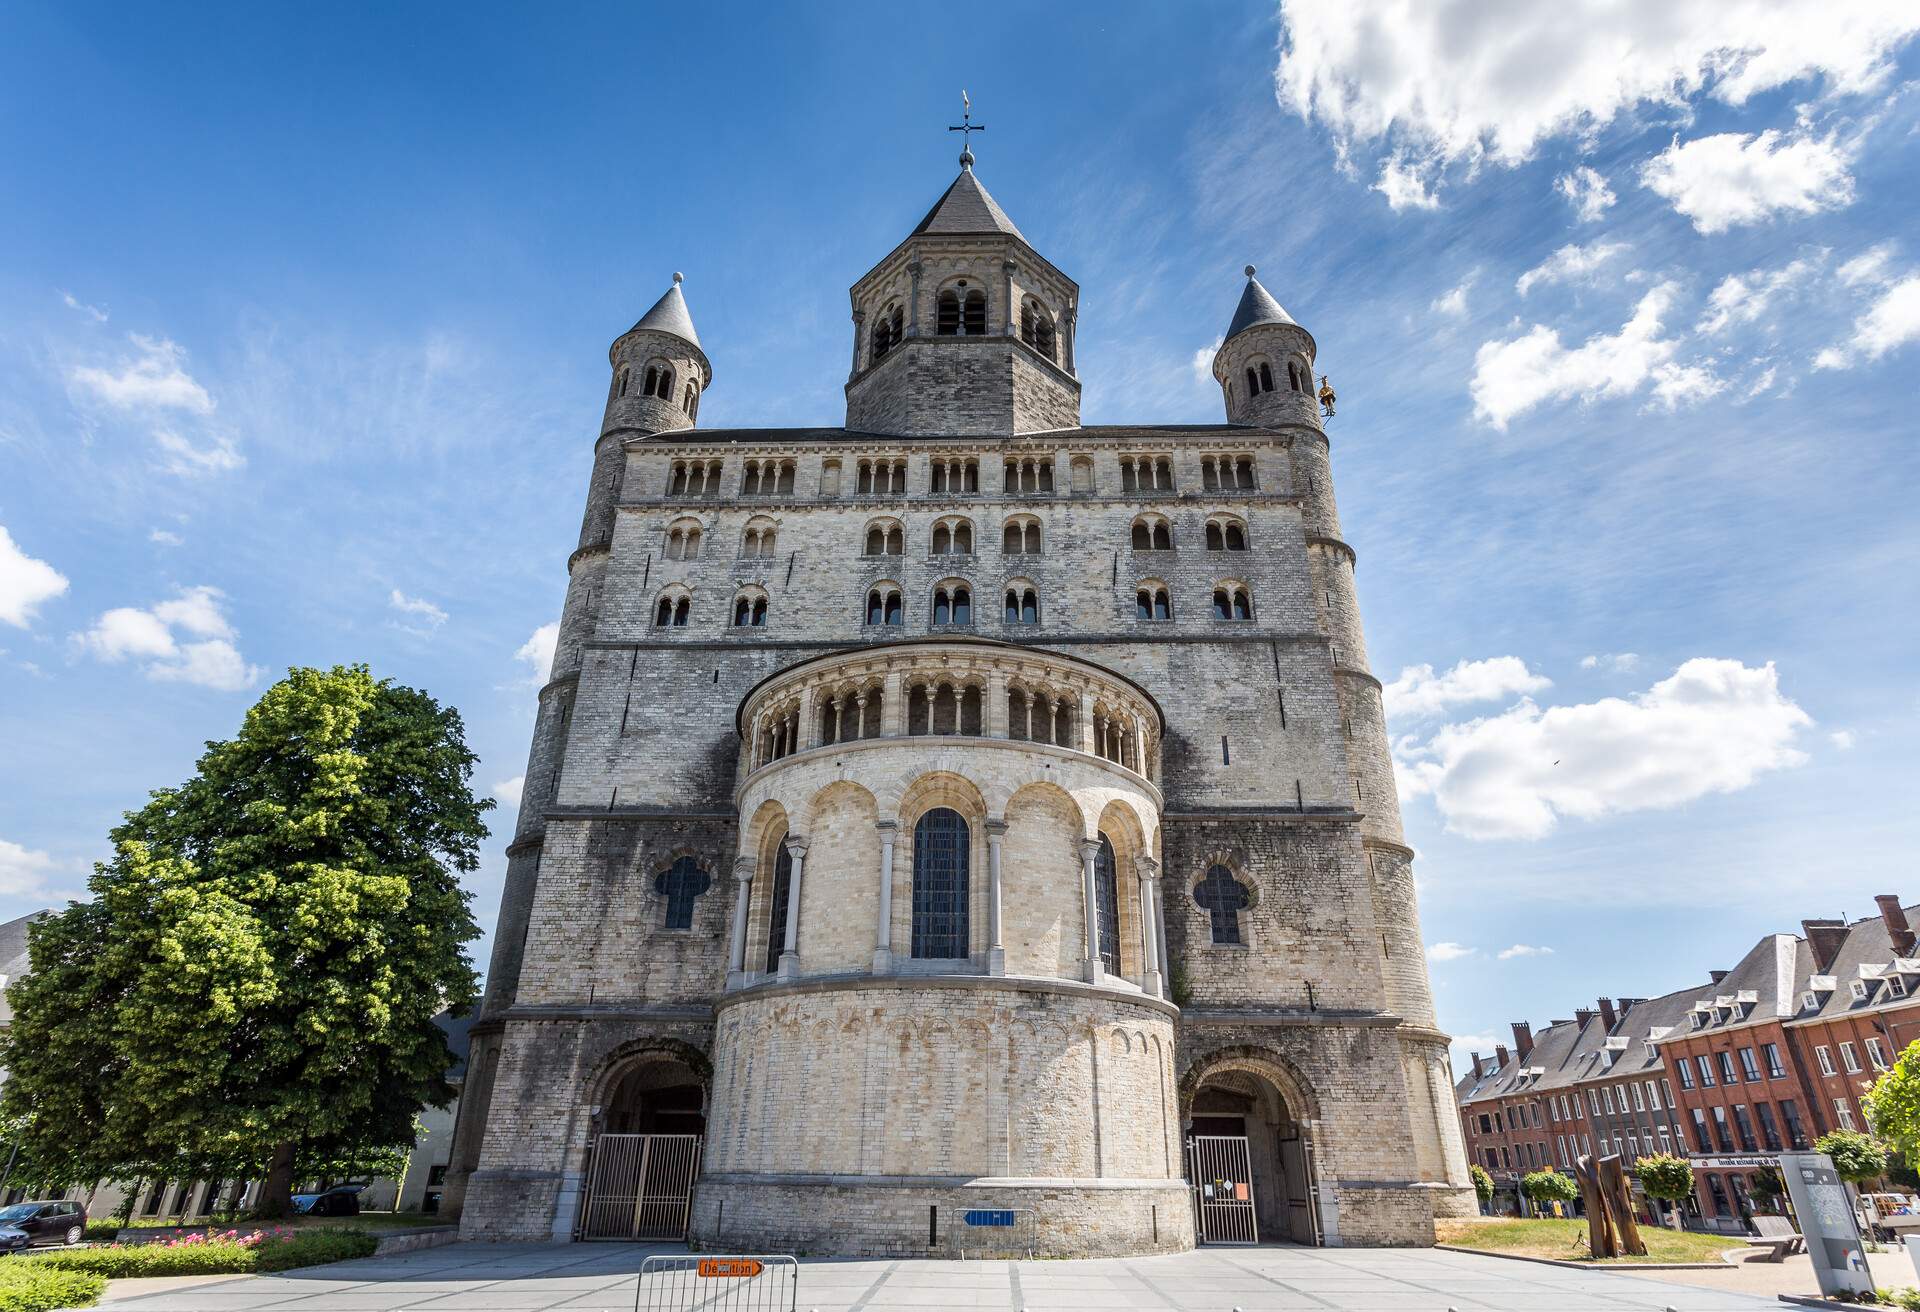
(341, 1200)
(53, 1222)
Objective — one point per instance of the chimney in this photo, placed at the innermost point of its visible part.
(1479, 1066)
(1522, 1038)
(1500, 1051)
(1824, 937)
(1715, 976)
(1607, 1017)
(1581, 1015)
(1897, 928)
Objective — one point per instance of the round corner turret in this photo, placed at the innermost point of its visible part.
(1265, 364)
(659, 371)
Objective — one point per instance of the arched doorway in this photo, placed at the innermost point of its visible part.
(1240, 1101)
(645, 1154)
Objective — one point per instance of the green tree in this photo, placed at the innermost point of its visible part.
(1548, 1186)
(1482, 1183)
(1893, 1103)
(1856, 1157)
(1667, 1178)
(251, 990)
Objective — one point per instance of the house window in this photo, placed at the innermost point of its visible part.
(1769, 1128)
(1706, 1070)
(1726, 1069)
(1859, 988)
(1232, 602)
(1721, 1135)
(1700, 1131)
(1718, 1191)
(1684, 1069)
(1152, 602)
(1825, 1058)
(1897, 986)
(1224, 898)
(1606, 1096)
(1653, 1095)
(1843, 1113)
(680, 883)
(1749, 1065)
(1877, 1054)
(941, 847)
(1850, 1058)
(1771, 1052)
(1639, 1103)
(1745, 1127)
(1796, 1133)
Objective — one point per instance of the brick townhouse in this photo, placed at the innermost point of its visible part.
(1763, 1058)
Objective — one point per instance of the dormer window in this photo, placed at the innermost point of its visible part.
(1810, 1001)
(1896, 986)
(1859, 989)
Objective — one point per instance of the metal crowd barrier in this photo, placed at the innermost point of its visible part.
(718, 1283)
(995, 1232)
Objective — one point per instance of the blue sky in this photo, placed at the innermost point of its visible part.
(306, 313)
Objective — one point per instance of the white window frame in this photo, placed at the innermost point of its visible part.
(1825, 1058)
(1843, 1113)
(1850, 1058)
(1639, 1101)
(1653, 1095)
(1876, 1053)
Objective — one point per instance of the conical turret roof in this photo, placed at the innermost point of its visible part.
(669, 315)
(1257, 306)
(967, 210)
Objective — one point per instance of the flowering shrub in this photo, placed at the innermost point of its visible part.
(223, 1252)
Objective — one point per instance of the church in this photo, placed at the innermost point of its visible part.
(963, 830)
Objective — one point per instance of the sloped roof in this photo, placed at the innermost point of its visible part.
(966, 209)
(1867, 944)
(1090, 433)
(1257, 306)
(669, 315)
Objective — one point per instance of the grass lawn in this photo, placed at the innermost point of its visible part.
(1567, 1240)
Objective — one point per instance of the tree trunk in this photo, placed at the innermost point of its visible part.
(276, 1191)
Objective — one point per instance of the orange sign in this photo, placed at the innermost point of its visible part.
(727, 1267)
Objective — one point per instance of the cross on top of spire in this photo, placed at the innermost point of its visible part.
(966, 128)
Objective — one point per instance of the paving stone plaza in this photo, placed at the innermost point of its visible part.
(582, 1277)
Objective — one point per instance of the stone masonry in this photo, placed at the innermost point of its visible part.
(962, 808)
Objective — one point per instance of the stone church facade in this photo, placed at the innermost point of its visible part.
(961, 808)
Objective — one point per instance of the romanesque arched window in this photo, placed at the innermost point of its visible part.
(750, 610)
(1022, 604)
(941, 848)
(757, 542)
(973, 313)
(624, 372)
(885, 537)
(1231, 601)
(886, 334)
(680, 883)
(686, 401)
(1036, 326)
(952, 603)
(683, 540)
(1106, 902)
(1226, 534)
(952, 537)
(673, 609)
(1266, 376)
(1152, 602)
(777, 907)
(1224, 898)
(1253, 382)
(1152, 533)
(883, 605)
(1020, 537)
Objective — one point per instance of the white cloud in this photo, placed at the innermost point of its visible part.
(1404, 184)
(1844, 739)
(1743, 298)
(1419, 692)
(165, 538)
(1731, 178)
(1523, 950)
(1713, 726)
(537, 652)
(1463, 1046)
(1448, 951)
(150, 638)
(25, 872)
(1463, 80)
(1624, 662)
(1763, 382)
(1587, 192)
(1570, 263)
(426, 615)
(507, 792)
(154, 379)
(93, 312)
(1453, 304)
(1891, 322)
(1871, 266)
(24, 582)
(178, 455)
(1512, 377)
(1203, 363)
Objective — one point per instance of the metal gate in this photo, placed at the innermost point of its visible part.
(640, 1186)
(718, 1284)
(1221, 1170)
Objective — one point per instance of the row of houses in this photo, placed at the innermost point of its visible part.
(1756, 1060)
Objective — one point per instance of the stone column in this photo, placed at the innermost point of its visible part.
(790, 952)
(1090, 849)
(1067, 321)
(883, 931)
(1006, 297)
(1085, 727)
(737, 950)
(995, 716)
(1150, 980)
(1160, 924)
(913, 301)
(893, 719)
(996, 949)
(809, 727)
(859, 319)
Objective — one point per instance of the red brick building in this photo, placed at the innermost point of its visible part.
(1764, 1058)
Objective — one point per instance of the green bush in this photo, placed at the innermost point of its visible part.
(36, 1287)
(1482, 1183)
(1665, 1176)
(228, 1253)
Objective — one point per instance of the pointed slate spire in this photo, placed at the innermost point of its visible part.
(1257, 306)
(967, 210)
(669, 315)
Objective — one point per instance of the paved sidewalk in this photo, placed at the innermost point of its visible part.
(583, 1277)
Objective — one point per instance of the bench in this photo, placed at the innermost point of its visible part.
(1776, 1233)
